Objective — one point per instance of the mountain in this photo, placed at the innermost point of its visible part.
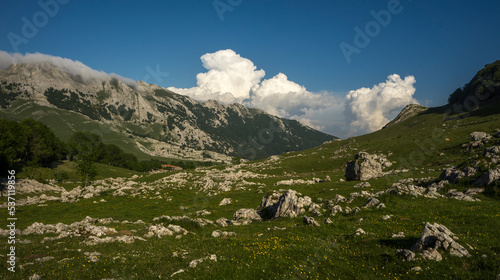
(148, 118)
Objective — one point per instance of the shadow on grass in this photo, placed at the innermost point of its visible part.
(399, 243)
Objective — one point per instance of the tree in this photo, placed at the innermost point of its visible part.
(86, 169)
(42, 147)
(12, 144)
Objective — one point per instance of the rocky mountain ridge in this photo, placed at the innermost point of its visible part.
(162, 119)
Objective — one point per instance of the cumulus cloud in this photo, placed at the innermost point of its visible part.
(231, 78)
(369, 109)
(73, 67)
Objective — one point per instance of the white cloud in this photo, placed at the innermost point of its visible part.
(369, 109)
(73, 67)
(231, 78)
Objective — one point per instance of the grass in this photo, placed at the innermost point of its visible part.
(259, 251)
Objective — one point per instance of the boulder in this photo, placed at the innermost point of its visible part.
(287, 205)
(480, 136)
(452, 175)
(406, 254)
(372, 202)
(247, 214)
(488, 178)
(336, 209)
(434, 237)
(359, 232)
(364, 167)
(310, 221)
(225, 201)
(223, 222)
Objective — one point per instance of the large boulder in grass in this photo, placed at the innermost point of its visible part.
(283, 204)
(364, 167)
(435, 237)
(489, 177)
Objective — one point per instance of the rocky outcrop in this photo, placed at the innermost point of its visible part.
(436, 237)
(453, 174)
(478, 140)
(489, 177)
(285, 204)
(365, 166)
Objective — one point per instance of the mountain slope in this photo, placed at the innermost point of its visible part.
(167, 123)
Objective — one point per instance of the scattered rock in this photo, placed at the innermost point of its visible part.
(35, 277)
(406, 254)
(387, 217)
(310, 221)
(480, 136)
(461, 196)
(336, 209)
(218, 233)
(416, 269)
(359, 232)
(92, 256)
(158, 231)
(328, 221)
(177, 272)
(225, 201)
(371, 202)
(362, 185)
(203, 213)
(398, 235)
(223, 222)
(196, 262)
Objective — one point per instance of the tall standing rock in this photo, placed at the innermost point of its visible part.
(364, 167)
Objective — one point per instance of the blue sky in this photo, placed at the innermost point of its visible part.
(442, 44)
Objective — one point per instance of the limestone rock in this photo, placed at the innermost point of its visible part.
(362, 185)
(364, 167)
(336, 209)
(310, 221)
(218, 233)
(372, 202)
(247, 214)
(359, 232)
(223, 222)
(434, 237)
(406, 254)
(488, 177)
(480, 136)
(225, 201)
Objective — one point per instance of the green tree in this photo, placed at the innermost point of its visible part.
(12, 144)
(42, 147)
